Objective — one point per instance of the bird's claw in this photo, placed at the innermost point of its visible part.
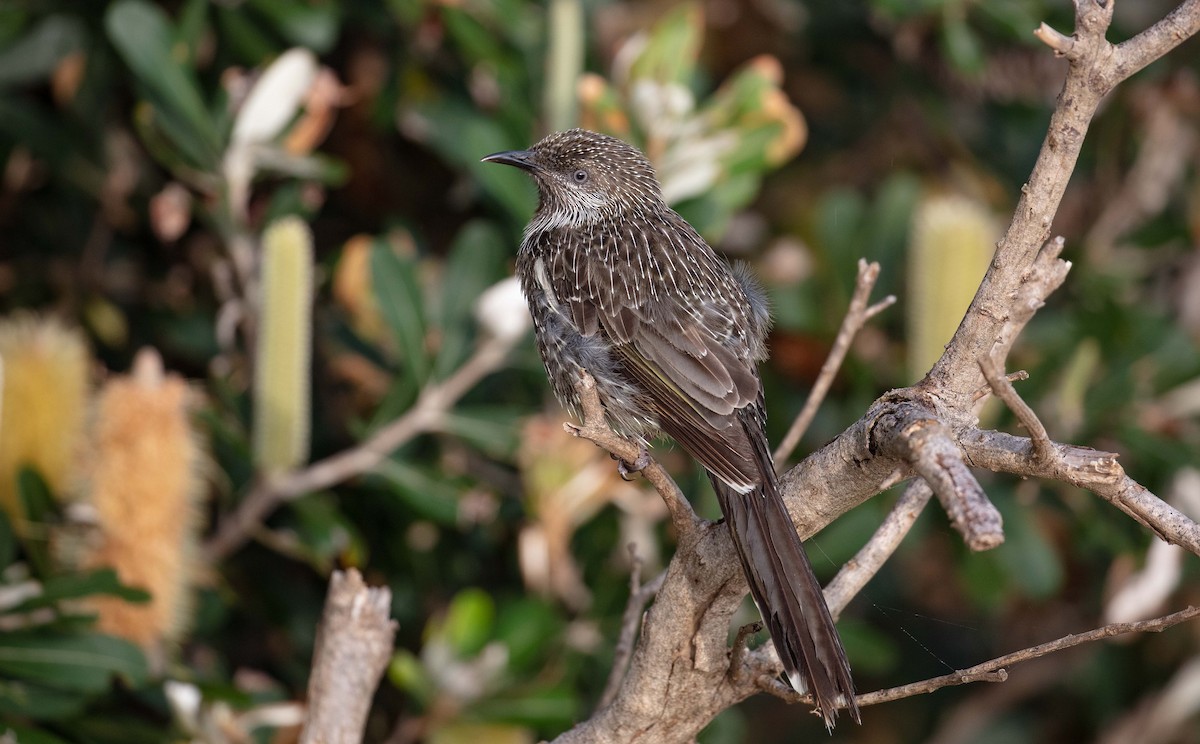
(627, 469)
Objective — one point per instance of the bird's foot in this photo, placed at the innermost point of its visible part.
(627, 469)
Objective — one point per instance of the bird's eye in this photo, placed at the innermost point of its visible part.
(581, 176)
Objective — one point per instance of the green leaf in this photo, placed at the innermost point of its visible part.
(42, 131)
(468, 732)
(8, 541)
(468, 624)
(476, 261)
(1026, 555)
(671, 51)
(841, 215)
(871, 652)
(83, 663)
(33, 57)
(394, 281)
(38, 702)
(26, 735)
(462, 137)
(192, 27)
(398, 399)
(324, 532)
(493, 429)
(961, 46)
(529, 628)
(76, 585)
(429, 495)
(143, 36)
(476, 40)
(551, 707)
(38, 506)
(406, 672)
(1016, 17)
(887, 231)
(243, 36)
(309, 24)
(111, 727)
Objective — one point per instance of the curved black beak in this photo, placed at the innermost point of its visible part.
(522, 159)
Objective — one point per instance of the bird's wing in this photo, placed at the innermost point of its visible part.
(671, 309)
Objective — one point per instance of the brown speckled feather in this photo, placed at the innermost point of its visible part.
(621, 286)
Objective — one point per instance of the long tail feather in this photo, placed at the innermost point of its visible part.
(789, 597)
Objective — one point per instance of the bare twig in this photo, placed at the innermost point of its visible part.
(1037, 282)
(996, 669)
(737, 652)
(639, 595)
(426, 415)
(1018, 376)
(596, 430)
(1061, 44)
(1098, 472)
(855, 574)
(856, 316)
(354, 645)
(1005, 391)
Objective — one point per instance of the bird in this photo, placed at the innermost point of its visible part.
(622, 287)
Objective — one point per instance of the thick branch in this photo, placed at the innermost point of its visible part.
(354, 645)
(639, 595)
(930, 447)
(956, 375)
(678, 677)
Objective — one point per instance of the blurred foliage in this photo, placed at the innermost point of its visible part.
(146, 147)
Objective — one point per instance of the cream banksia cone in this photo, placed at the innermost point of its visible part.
(43, 404)
(144, 490)
(284, 355)
(952, 242)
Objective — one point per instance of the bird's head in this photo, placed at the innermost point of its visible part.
(585, 177)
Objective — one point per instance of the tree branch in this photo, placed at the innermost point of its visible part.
(922, 440)
(596, 430)
(1004, 390)
(425, 416)
(639, 595)
(1176, 27)
(354, 645)
(1098, 472)
(855, 574)
(996, 669)
(679, 675)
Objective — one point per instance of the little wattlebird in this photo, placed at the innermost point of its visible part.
(620, 286)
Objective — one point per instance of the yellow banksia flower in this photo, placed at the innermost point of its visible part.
(43, 404)
(144, 487)
(284, 355)
(952, 242)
